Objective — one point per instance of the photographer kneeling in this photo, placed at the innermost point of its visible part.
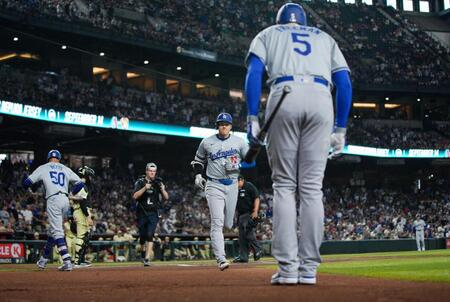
(147, 192)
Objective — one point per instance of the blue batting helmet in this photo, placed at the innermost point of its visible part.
(224, 117)
(54, 154)
(291, 13)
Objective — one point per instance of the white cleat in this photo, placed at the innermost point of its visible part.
(67, 266)
(42, 263)
(277, 279)
(223, 265)
(309, 280)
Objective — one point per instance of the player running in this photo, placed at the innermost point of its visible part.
(307, 60)
(222, 153)
(55, 177)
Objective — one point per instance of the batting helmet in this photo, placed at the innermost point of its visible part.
(54, 154)
(224, 117)
(291, 13)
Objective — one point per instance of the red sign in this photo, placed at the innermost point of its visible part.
(448, 243)
(12, 250)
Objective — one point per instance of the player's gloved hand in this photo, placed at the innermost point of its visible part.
(337, 142)
(253, 130)
(200, 181)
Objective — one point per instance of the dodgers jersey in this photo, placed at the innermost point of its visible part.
(292, 49)
(55, 176)
(419, 225)
(223, 156)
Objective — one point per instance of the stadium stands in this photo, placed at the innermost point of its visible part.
(381, 46)
(354, 211)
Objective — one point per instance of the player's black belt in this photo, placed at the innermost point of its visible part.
(223, 181)
(318, 80)
(57, 193)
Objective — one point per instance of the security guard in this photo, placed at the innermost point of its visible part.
(247, 208)
(147, 191)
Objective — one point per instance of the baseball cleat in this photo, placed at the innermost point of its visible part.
(146, 262)
(42, 263)
(239, 260)
(309, 280)
(277, 279)
(67, 266)
(257, 255)
(82, 265)
(224, 265)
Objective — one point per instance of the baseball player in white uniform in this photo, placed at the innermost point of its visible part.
(419, 226)
(222, 153)
(307, 60)
(56, 178)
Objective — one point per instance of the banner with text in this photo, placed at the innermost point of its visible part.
(124, 123)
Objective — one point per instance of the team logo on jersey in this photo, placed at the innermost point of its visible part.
(220, 154)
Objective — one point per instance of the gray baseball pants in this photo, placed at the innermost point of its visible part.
(297, 145)
(57, 207)
(222, 201)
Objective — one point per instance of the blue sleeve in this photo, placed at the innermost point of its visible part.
(77, 187)
(244, 165)
(253, 84)
(341, 80)
(26, 182)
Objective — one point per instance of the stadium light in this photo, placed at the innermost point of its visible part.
(131, 75)
(364, 105)
(418, 99)
(386, 98)
(179, 68)
(99, 70)
(146, 62)
(391, 106)
(217, 75)
(15, 39)
(64, 47)
(102, 54)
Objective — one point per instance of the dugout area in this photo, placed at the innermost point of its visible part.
(339, 279)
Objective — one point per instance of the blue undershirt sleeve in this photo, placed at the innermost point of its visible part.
(253, 85)
(341, 79)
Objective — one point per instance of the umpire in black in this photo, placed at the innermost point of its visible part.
(247, 208)
(147, 192)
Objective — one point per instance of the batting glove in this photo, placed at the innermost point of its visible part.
(253, 130)
(337, 142)
(200, 181)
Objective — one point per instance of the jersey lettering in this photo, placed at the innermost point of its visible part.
(58, 178)
(298, 38)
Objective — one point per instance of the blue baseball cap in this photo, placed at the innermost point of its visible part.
(54, 154)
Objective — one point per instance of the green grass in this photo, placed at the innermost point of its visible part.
(413, 266)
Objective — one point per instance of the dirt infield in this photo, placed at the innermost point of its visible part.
(200, 283)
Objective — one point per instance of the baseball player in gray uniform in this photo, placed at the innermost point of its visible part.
(56, 178)
(308, 61)
(222, 154)
(419, 226)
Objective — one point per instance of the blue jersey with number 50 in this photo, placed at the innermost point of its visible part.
(55, 176)
(292, 49)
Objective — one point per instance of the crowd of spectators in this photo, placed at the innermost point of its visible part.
(66, 92)
(383, 136)
(352, 212)
(379, 51)
(396, 56)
